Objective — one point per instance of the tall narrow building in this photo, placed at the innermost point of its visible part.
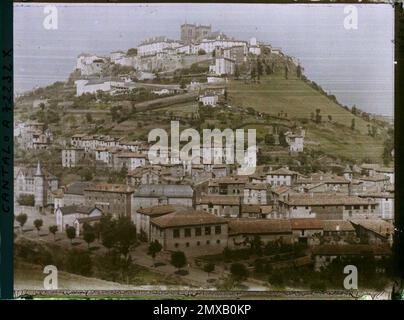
(40, 188)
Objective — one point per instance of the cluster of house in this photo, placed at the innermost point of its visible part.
(160, 54)
(205, 208)
(32, 135)
(105, 151)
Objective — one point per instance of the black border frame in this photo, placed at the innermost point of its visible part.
(7, 153)
(6, 126)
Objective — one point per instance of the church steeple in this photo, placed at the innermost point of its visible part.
(38, 170)
(40, 191)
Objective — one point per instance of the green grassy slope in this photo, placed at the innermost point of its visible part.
(275, 94)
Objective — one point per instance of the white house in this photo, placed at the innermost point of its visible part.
(282, 176)
(89, 64)
(209, 99)
(223, 66)
(385, 201)
(156, 45)
(131, 160)
(66, 216)
(255, 193)
(106, 85)
(143, 216)
(72, 156)
(388, 172)
(214, 79)
(295, 141)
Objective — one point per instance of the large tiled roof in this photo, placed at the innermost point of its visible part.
(219, 199)
(378, 226)
(337, 225)
(250, 208)
(77, 187)
(76, 209)
(168, 190)
(258, 226)
(318, 199)
(256, 186)
(232, 180)
(283, 172)
(187, 218)
(375, 178)
(108, 187)
(281, 189)
(158, 210)
(306, 223)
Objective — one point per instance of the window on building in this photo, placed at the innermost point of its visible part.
(187, 244)
(198, 243)
(207, 241)
(356, 207)
(218, 241)
(348, 207)
(176, 245)
(176, 233)
(207, 231)
(187, 232)
(198, 231)
(218, 229)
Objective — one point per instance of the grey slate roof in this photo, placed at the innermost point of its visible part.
(164, 190)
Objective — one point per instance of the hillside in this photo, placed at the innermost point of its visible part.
(296, 101)
(284, 103)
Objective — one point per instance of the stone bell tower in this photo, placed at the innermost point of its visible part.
(40, 188)
(348, 173)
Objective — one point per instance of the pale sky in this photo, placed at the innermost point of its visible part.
(354, 65)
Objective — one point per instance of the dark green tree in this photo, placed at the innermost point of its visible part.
(208, 268)
(21, 219)
(71, 233)
(238, 271)
(79, 262)
(178, 259)
(38, 223)
(53, 229)
(154, 248)
(88, 234)
(353, 124)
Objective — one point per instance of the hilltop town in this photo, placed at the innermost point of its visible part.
(321, 195)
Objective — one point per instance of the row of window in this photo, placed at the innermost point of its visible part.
(198, 243)
(355, 207)
(198, 231)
